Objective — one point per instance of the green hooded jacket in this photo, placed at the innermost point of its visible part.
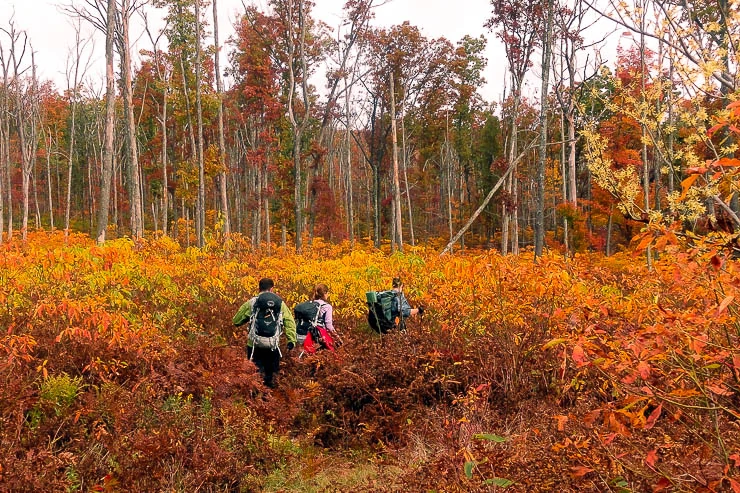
(245, 311)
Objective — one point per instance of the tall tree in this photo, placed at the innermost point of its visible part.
(163, 69)
(188, 63)
(297, 28)
(97, 13)
(467, 114)
(200, 223)
(221, 139)
(134, 173)
(76, 69)
(397, 220)
(344, 52)
(105, 187)
(539, 225)
(519, 24)
(259, 111)
(421, 71)
(26, 112)
(5, 143)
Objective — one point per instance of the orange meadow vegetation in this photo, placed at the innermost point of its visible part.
(121, 371)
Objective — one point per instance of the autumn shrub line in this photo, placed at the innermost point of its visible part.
(122, 369)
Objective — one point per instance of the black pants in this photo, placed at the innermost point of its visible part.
(267, 361)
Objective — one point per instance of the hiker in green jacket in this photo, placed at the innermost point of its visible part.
(268, 317)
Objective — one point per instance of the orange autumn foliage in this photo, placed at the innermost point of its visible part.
(122, 368)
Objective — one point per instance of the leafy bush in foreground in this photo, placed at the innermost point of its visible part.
(122, 371)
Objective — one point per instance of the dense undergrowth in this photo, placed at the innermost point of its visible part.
(121, 372)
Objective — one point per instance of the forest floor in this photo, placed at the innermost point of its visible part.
(121, 371)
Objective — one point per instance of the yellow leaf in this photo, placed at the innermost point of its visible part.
(684, 393)
(553, 342)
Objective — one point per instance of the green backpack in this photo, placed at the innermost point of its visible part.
(382, 310)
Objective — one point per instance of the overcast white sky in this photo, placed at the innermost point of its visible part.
(51, 32)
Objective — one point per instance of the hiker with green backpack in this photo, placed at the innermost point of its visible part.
(388, 310)
(268, 317)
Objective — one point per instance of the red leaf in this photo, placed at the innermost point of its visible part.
(719, 390)
(579, 356)
(716, 261)
(714, 129)
(651, 458)
(661, 485)
(609, 438)
(653, 417)
(644, 368)
(580, 471)
(736, 458)
(696, 170)
(735, 485)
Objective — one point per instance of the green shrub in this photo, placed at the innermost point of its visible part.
(60, 391)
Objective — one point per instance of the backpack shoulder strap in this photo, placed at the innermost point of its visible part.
(318, 304)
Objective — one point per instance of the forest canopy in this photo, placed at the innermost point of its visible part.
(362, 132)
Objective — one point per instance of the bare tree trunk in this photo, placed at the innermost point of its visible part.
(134, 174)
(5, 172)
(75, 71)
(221, 139)
(447, 170)
(268, 237)
(105, 186)
(35, 118)
(90, 195)
(398, 236)
(539, 223)
(510, 183)
(348, 143)
(298, 128)
(22, 119)
(515, 215)
(163, 77)
(564, 187)
(296, 134)
(645, 164)
(200, 222)
(165, 182)
(477, 211)
(49, 187)
(34, 187)
(72, 91)
(404, 165)
(4, 138)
